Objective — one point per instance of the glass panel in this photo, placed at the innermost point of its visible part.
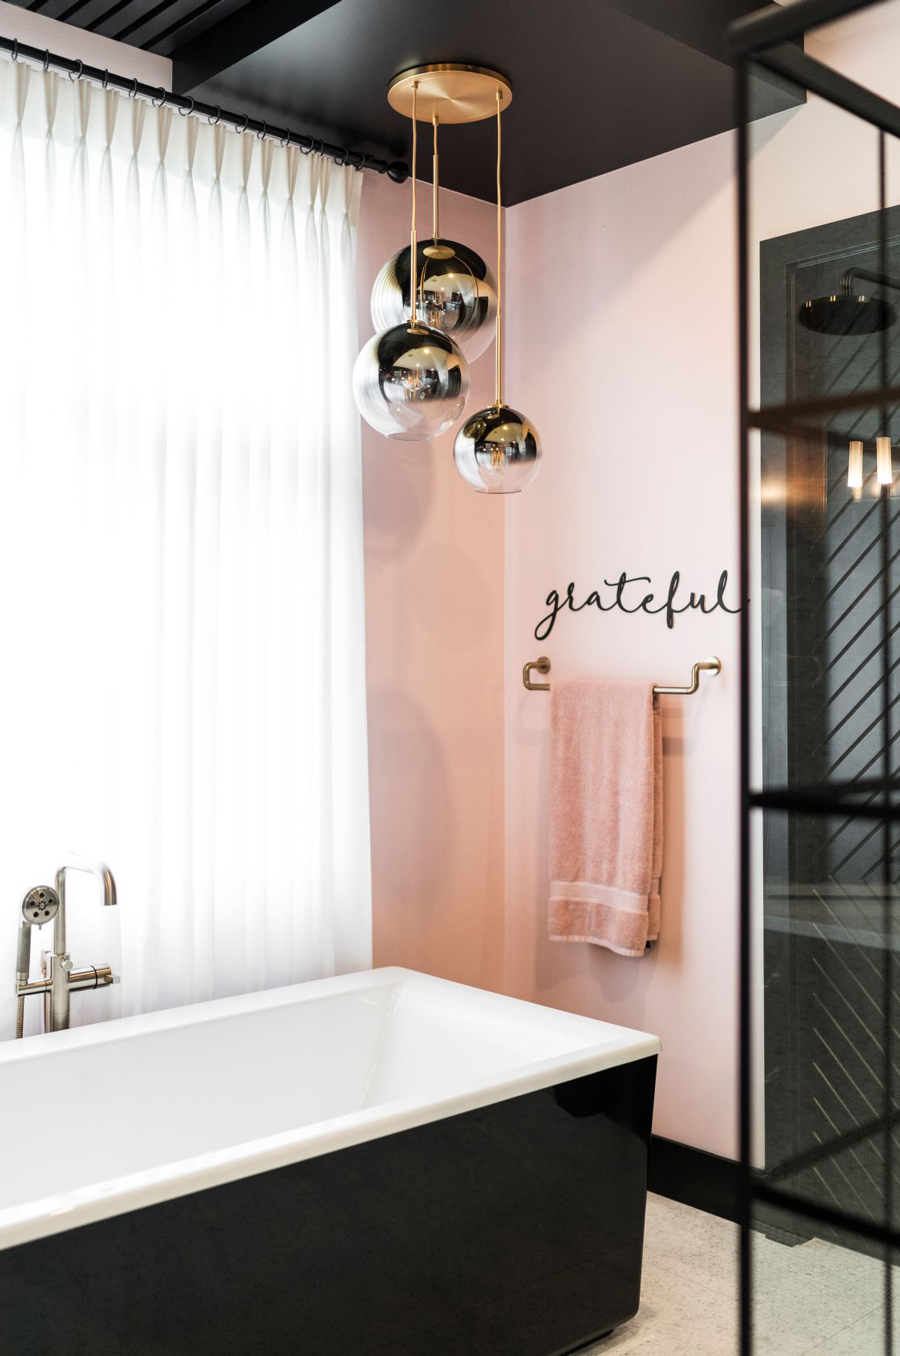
(824, 1295)
(831, 956)
(825, 261)
(829, 591)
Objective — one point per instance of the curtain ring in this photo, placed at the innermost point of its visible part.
(360, 162)
(214, 122)
(132, 93)
(242, 130)
(261, 135)
(307, 150)
(15, 50)
(186, 112)
(79, 73)
(286, 140)
(105, 81)
(162, 98)
(342, 158)
(46, 59)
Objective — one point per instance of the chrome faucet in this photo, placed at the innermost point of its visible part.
(43, 904)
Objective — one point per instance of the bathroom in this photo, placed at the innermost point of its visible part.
(304, 1044)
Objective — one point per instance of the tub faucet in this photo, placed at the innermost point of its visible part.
(59, 978)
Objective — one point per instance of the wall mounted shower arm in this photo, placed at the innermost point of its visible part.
(867, 275)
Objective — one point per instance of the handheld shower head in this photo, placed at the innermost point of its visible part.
(39, 906)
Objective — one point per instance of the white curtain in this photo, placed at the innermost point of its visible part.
(183, 675)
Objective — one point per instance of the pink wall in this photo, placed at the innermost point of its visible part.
(622, 349)
(612, 284)
(434, 616)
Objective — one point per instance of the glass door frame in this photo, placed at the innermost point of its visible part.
(772, 39)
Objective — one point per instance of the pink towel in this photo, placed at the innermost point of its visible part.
(605, 814)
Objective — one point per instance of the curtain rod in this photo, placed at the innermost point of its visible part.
(396, 170)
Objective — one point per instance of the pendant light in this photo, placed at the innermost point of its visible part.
(457, 293)
(498, 450)
(410, 381)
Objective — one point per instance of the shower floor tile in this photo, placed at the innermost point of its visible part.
(815, 1299)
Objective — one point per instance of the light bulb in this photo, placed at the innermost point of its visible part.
(884, 463)
(855, 465)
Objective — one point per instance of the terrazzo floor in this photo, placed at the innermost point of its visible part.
(813, 1298)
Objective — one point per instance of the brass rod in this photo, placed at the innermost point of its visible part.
(711, 665)
(498, 377)
(435, 186)
(414, 251)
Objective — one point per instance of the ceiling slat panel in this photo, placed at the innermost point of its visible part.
(156, 25)
(110, 16)
(205, 16)
(145, 18)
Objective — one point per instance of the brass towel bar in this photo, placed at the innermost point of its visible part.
(711, 665)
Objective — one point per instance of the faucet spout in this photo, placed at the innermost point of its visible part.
(94, 867)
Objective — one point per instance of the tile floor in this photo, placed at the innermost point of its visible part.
(814, 1298)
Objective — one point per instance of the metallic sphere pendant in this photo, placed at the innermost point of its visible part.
(410, 382)
(497, 450)
(457, 293)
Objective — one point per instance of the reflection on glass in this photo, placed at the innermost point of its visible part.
(855, 466)
(884, 463)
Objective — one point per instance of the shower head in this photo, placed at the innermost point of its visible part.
(40, 905)
(844, 314)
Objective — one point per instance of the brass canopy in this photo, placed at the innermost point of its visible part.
(451, 91)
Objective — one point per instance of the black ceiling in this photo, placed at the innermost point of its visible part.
(597, 84)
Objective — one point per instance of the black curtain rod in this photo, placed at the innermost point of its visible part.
(396, 170)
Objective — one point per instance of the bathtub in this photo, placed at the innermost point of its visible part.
(382, 1164)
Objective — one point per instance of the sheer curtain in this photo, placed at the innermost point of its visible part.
(181, 547)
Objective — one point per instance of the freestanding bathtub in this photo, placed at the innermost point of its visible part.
(384, 1164)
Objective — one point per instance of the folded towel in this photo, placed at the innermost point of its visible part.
(605, 814)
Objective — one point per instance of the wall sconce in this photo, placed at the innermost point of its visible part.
(884, 466)
(855, 465)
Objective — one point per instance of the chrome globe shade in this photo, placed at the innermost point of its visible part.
(497, 450)
(457, 293)
(410, 382)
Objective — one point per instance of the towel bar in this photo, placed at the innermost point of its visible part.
(711, 665)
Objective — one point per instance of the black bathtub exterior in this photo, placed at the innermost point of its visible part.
(513, 1230)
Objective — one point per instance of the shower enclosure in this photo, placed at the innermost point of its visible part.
(819, 234)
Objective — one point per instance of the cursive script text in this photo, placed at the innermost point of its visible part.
(626, 598)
